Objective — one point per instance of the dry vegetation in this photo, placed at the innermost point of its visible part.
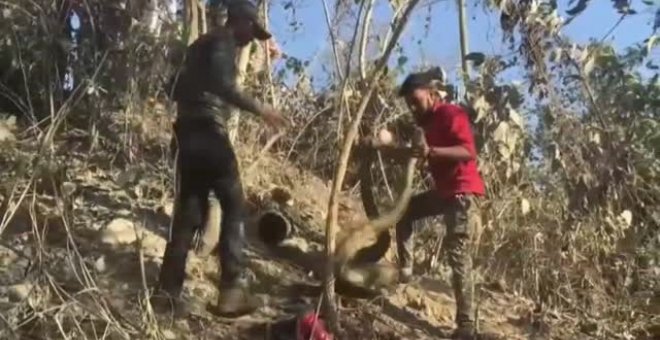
(571, 246)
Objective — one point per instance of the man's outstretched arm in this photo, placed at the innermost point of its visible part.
(222, 67)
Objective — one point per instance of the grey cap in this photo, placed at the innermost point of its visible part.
(246, 9)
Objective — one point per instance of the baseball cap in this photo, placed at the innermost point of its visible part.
(248, 10)
(422, 79)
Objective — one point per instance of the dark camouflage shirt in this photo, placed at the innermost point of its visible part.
(206, 85)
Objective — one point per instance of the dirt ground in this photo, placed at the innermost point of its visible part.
(89, 277)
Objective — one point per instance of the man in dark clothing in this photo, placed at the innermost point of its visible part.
(451, 155)
(205, 161)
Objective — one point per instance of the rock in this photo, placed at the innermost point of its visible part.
(68, 188)
(119, 231)
(6, 128)
(19, 292)
(152, 244)
(168, 334)
(100, 265)
(7, 256)
(168, 208)
(296, 242)
(123, 231)
(127, 177)
(6, 13)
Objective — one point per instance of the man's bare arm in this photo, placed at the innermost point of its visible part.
(455, 153)
(397, 152)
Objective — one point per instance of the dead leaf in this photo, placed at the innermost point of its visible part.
(652, 40)
(626, 217)
(589, 65)
(555, 55)
(7, 128)
(506, 139)
(501, 132)
(516, 118)
(481, 106)
(524, 206)
(594, 137)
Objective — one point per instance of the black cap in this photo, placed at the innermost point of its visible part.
(246, 9)
(421, 79)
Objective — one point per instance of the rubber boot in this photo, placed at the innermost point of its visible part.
(163, 303)
(464, 333)
(468, 332)
(236, 300)
(405, 274)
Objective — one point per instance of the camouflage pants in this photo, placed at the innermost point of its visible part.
(459, 214)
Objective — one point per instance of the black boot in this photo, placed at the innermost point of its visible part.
(235, 300)
(464, 331)
(164, 303)
(469, 333)
(167, 296)
(405, 274)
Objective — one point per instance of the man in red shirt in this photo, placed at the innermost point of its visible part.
(451, 156)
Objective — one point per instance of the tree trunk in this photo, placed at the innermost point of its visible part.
(152, 16)
(462, 22)
(364, 40)
(191, 10)
(202, 15)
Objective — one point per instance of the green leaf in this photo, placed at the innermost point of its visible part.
(477, 58)
(402, 60)
(623, 7)
(579, 8)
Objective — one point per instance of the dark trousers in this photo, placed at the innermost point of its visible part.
(205, 161)
(460, 217)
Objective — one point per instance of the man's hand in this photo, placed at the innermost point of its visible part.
(421, 150)
(274, 118)
(274, 50)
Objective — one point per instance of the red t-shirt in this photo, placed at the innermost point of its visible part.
(449, 125)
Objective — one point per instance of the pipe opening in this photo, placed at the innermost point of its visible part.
(273, 228)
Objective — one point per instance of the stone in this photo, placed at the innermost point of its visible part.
(7, 126)
(296, 242)
(168, 334)
(7, 256)
(100, 265)
(119, 231)
(19, 292)
(152, 244)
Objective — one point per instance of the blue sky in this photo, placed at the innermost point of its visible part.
(440, 45)
(309, 41)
